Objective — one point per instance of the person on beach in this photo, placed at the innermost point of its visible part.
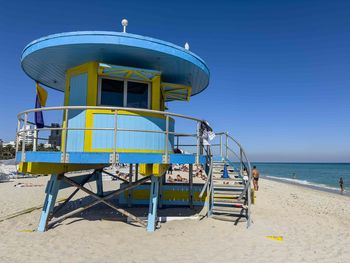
(170, 169)
(341, 183)
(256, 175)
(245, 174)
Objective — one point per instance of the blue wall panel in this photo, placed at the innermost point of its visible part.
(76, 118)
(129, 139)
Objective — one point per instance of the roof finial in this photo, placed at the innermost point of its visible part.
(187, 46)
(124, 24)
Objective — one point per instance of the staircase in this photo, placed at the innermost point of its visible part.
(226, 202)
(229, 198)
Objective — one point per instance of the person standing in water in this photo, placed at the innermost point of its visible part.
(341, 184)
(256, 174)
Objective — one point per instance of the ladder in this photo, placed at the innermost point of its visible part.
(228, 203)
(230, 198)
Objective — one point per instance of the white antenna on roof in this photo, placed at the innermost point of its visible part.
(187, 46)
(124, 24)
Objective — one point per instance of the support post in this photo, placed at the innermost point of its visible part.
(136, 172)
(153, 200)
(130, 182)
(52, 188)
(190, 185)
(99, 183)
(160, 196)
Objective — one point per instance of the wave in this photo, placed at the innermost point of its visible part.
(303, 182)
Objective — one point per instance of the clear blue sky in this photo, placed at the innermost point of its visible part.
(279, 69)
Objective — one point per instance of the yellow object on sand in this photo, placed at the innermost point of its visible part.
(27, 230)
(277, 238)
(252, 196)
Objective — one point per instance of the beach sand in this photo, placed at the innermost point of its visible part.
(315, 227)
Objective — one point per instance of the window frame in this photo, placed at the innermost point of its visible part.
(125, 90)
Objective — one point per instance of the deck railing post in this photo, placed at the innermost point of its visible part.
(198, 142)
(221, 150)
(35, 140)
(241, 160)
(166, 138)
(24, 136)
(226, 146)
(115, 137)
(17, 134)
(66, 112)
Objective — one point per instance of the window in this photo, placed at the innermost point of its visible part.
(123, 93)
(112, 92)
(137, 95)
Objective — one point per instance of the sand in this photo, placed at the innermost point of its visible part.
(315, 227)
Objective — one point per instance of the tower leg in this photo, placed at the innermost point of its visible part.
(190, 186)
(99, 184)
(153, 202)
(52, 188)
(130, 182)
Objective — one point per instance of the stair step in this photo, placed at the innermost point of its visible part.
(222, 180)
(235, 211)
(228, 200)
(227, 203)
(228, 218)
(221, 194)
(229, 188)
(228, 206)
(226, 197)
(229, 192)
(229, 210)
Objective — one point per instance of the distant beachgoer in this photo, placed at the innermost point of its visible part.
(256, 175)
(184, 168)
(179, 178)
(245, 174)
(341, 183)
(170, 179)
(170, 169)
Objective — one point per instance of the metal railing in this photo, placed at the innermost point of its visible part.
(228, 154)
(22, 134)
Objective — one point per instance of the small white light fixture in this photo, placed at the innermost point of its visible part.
(187, 46)
(124, 24)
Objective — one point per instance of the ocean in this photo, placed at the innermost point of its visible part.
(321, 175)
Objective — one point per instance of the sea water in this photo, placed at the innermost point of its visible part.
(324, 175)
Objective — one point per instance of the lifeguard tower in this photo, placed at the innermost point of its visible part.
(116, 86)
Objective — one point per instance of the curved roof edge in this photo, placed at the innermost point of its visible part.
(114, 38)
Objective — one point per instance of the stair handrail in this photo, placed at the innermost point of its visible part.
(243, 159)
(208, 185)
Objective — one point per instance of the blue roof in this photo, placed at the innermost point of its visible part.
(46, 60)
